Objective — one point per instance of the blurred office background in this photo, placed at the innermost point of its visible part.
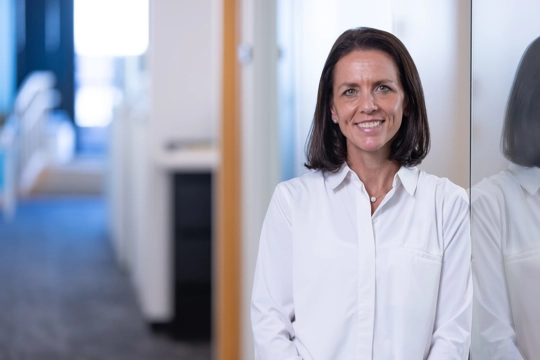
(141, 140)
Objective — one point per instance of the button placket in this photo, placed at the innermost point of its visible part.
(366, 274)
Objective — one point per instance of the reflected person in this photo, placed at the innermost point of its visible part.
(506, 231)
(365, 257)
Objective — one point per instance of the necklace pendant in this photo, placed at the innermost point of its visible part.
(373, 199)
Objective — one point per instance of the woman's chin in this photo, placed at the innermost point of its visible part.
(371, 149)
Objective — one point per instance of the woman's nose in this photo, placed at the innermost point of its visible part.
(367, 103)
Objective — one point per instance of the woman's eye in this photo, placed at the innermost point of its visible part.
(349, 92)
(384, 88)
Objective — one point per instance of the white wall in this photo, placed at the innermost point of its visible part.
(502, 30)
(183, 53)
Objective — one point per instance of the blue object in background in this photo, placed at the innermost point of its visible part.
(45, 42)
(7, 55)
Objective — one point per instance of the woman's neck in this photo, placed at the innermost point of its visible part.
(376, 172)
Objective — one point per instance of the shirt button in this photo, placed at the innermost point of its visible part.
(374, 221)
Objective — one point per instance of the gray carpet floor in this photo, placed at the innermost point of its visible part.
(62, 295)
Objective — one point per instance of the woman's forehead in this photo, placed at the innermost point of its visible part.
(365, 65)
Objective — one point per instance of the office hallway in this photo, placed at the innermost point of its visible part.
(62, 295)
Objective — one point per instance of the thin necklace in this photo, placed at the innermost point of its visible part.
(374, 198)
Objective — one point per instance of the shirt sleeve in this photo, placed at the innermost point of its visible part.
(272, 307)
(493, 330)
(451, 333)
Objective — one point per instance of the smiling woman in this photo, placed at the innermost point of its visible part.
(368, 102)
(367, 257)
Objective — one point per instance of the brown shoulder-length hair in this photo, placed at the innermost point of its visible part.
(521, 131)
(327, 147)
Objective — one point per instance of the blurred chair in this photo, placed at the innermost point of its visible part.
(34, 102)
(24, 149)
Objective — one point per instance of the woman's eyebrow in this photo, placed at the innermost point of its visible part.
(385, 82)
(348, 84)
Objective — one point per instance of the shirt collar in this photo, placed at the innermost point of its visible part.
(334, 179)
(528, 178)
(407, 176)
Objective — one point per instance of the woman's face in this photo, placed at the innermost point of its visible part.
(368, 101)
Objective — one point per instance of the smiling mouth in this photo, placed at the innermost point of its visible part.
(369, 124)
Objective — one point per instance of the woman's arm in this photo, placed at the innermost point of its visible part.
(272, 307)
(451, 333)
(493, 337)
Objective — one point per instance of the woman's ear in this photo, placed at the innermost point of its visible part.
(333, 112)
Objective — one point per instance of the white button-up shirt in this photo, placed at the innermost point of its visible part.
(506, 265)
(334, 282)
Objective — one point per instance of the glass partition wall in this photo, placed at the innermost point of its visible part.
(505, 179)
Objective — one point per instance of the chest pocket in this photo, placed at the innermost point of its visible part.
(413, 277)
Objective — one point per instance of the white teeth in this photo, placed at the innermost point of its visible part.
(367, 125)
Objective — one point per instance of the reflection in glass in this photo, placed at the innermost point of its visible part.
(505, 231)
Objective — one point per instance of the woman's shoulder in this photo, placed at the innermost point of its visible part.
(443, 187)
(303, 182)
(302, 186)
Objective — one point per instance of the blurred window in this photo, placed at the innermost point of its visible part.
(111, 27)
(106, 32)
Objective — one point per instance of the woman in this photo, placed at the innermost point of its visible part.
(505, 231)
(367, 257)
